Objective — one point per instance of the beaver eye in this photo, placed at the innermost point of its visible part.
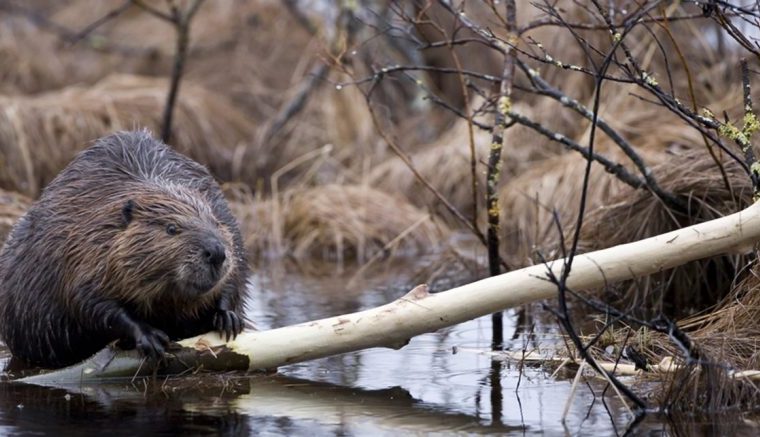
(171, 229)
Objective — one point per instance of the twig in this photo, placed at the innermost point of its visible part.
(99, 22)
(181, 21)
(563, 314)
(156, 12)
(614, 168)
(573, 390)
(544, 88)
(408, 161)
(470, 138)
(378, 74)
(693, 99)
(736, 34)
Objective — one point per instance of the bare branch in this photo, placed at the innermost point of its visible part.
(181, 23)
(100, 21)
(493, 171)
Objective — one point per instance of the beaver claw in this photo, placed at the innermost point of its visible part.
(152, 342)
(228, 324)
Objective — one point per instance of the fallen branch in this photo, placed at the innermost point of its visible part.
(419, 312)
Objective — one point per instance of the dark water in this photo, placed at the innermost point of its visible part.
(441, 383)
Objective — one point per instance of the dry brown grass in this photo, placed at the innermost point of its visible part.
(527, 203)
(724, 340)
(445, 163)
(528, 199)
(239, 49)
(215, 25)
(334, 222)
(332, 118)
(40, 134)
(634, 215)
(36, 59)
(691, 174)
(29, 61)
(725, 331)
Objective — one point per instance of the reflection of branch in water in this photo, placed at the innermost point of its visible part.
(229, 405)
(496, 393)
(235, 404)
(123, 409)
(393, 408)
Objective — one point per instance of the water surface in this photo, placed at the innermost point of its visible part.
(440, 383)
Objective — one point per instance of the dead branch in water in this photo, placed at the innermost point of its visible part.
(419, 312)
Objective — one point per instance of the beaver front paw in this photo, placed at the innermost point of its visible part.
(151, 342)
(227, 323)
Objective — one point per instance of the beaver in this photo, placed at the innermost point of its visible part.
(132, 242)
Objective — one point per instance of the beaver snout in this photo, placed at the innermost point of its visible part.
(213, 253)
(206, 267)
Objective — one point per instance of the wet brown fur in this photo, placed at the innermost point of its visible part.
(92, 261)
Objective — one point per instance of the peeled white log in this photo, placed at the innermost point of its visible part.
(419, 312)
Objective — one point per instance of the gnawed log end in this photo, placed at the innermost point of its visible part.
(111, 362)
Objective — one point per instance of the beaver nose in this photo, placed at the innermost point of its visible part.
(214, 254)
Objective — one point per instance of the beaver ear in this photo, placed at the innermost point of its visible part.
(127, 210)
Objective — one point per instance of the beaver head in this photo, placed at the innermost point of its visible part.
(171, 247)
